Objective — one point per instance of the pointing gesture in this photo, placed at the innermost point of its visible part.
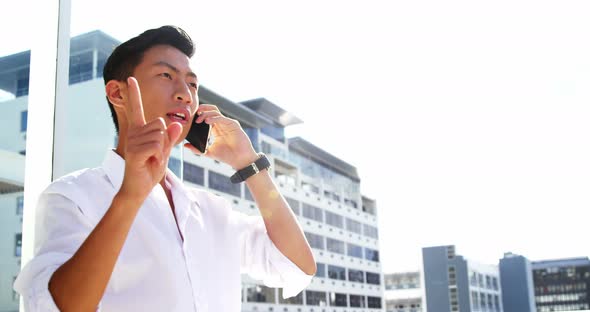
(147, 146)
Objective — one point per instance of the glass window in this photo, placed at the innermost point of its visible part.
(370, 231)
(174, 165)
(315, 298)
(312, 212)
(294, 204)
(19, 205)
(357, 301)
(495, 283)
(335, 245)
(355, 250)
(338, 300)
(374, 302)
(334, 219)
(356, 276)
(193, 173)
(475, 300)
(81, 67)
(353, 226)
(23, 120)
(293, 300)
(260, 293)
(373, 278)
(315, 241)
(221, 183)
(336, 272)
(321, 270)
(18, 244)
(371, 254)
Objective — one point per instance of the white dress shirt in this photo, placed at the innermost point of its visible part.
(156, 270)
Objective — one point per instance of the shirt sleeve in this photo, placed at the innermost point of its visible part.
(60, 229)
(262, 260)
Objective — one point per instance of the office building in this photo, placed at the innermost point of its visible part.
(323, 190)
(403, 292)
(453, 283)
(516, 280)
(562, 285)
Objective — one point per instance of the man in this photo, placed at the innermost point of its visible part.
(129, 236)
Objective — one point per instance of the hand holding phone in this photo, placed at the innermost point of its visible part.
(198, 135)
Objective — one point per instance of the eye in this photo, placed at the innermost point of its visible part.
(194, 85)
(167, 75)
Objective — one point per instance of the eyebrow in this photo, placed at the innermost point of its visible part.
(172, 67)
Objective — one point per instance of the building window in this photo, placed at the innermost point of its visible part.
(174, 165)
(312, 212)
(371, 254)
(18, 244)
(356, 276)
(357, 301)
(488, 282)
(495, 283)
(315, 241)
(321, 270)
(260, 293)
(334, 220)
(193, 173)
(374, 302)
(335, 245)
(22, 87)
(480, 279)
(221, 183)
(370, 231)
(353, 226)
(293, 204)
(336, 272)
(81, 67)
(293, 300)
(315, 298)
(19, 205)
(475, 300)
(355, 250)
(24, 115)
(338, 300)
(373, 278)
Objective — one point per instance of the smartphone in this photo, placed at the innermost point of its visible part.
(198, 135)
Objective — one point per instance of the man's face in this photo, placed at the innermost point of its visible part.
(168, 86)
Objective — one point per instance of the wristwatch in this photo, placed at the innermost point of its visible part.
(260, 164)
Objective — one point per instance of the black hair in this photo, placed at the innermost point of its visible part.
(122, 62)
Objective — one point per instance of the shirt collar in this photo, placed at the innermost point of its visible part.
(114, 167)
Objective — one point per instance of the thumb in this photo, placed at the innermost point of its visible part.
(174, 130)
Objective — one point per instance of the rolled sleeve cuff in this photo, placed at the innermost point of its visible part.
(37, 298)
(33, 285)
(292, 279)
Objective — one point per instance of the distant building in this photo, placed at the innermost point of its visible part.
(453, 284)
(403, 292)
(516, 279)
(562, 285)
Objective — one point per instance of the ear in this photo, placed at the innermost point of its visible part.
(116, 92)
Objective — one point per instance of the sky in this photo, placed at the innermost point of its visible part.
(468, 121)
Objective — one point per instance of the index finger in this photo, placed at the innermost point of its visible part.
(135, 116)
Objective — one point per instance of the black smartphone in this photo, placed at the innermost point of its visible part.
(198, 135)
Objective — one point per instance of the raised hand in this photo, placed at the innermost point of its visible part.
(231, 144)
(147, 147)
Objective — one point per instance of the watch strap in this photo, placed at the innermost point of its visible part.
(260, 164)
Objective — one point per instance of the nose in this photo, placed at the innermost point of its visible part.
(183, 93)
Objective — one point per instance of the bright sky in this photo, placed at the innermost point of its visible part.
(469, 121)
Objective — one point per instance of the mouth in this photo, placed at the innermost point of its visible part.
(179, 115)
